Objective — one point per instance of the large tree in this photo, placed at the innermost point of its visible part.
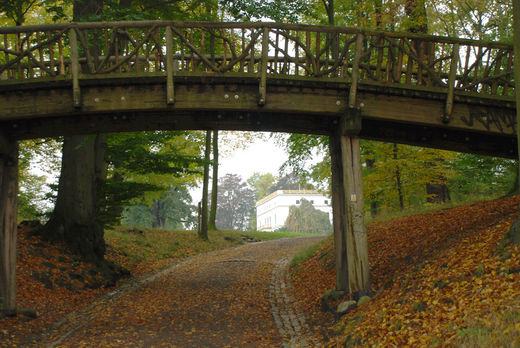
(236, 203)
(307, 219)
(74, 219)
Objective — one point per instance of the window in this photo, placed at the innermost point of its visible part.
(297, 201)
(312, 202)
(326, 201)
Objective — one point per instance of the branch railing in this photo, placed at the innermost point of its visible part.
(261, 49)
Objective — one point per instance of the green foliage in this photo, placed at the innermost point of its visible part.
(482, 175)
(278, 11)
(236, 203)
(172, 210)
(262, 184)
(33, 194)
(141, 166)
(307, 219)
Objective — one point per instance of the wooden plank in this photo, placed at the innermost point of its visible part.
(8, 222)
(356, 234)
(338, 211)
(138, 95)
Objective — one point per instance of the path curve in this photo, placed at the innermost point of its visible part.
(234, 297)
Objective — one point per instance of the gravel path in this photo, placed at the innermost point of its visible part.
(233, 297)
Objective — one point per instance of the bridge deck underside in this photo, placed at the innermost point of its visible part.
(389, 113)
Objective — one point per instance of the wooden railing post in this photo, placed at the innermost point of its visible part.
(451, 84)
(170, 68)
(263, 67)
(74, 58)
(8, 223)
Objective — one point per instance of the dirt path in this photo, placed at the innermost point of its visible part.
(234, 297)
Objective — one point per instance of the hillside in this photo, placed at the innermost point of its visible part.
(439, 278)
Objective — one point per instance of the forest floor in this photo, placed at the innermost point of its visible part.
(444, 278)
(57, 286)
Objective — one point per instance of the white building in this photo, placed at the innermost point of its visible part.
(272, 211)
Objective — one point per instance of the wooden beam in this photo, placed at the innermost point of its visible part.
(356, 234)
(338, 211)
(8, 222)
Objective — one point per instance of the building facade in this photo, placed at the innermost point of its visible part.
(273, 210)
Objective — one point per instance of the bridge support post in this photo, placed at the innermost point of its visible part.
(354, 218)
(8, 223)
(338, 211)
(350, 236)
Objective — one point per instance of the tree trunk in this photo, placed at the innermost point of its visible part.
(203, 233)
(214, 185)
(398, 180)
(437, 193)
(8, 223)
(74, 219)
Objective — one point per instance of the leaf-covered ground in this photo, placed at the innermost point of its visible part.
(54, 283)
(440, 279)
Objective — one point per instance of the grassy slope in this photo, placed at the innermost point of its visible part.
(440, 278)
(55, 283)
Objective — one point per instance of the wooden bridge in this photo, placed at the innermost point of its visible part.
(81, 78)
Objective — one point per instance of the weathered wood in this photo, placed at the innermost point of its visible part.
(74, 56)
(249, 25)
(263, 69)
(8, 222)
(516, 36)
(451, 84)
(356, 235)
(338, 211)
(170, 68)
(295, 97)
(355, 72)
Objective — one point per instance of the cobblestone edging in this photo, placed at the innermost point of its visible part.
(290, 322)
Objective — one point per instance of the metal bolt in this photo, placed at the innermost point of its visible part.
(334, 121)
(445, 135)
(115, 117)
(236, 97)
(338, 103)
(15, 125)
(96, 100)
(467, 138)
(226, 96)
(123, 98)
(219, 116)
(123, 117)
(361, 105)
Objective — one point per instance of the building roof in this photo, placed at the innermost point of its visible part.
(287, 192)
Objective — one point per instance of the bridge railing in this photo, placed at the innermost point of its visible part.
(78, 50)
